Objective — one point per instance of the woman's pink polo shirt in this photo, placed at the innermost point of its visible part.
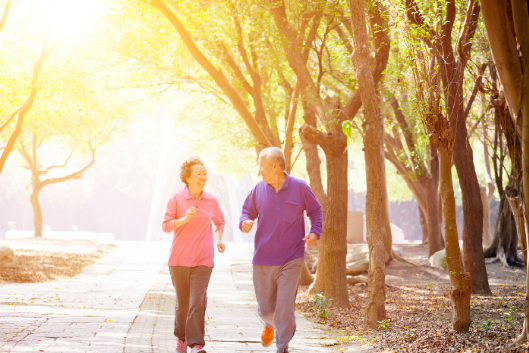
(193, 242)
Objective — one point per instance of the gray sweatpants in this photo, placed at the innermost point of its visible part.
(275, 290)
(191, 284)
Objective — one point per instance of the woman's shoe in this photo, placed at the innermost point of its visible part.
(198, 349)
(181, 346)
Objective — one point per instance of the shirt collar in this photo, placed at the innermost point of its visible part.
(287, 181)
(188, 195)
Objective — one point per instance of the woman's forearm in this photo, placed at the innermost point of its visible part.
(180, 222)
(219, 233)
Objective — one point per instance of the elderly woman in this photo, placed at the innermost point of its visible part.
(189, 215)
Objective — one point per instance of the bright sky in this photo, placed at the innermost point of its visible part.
(73, 18)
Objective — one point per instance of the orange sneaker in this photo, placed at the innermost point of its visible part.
(267, 336)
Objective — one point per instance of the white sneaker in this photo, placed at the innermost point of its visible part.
(198, 349)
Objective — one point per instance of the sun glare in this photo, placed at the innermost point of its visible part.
(73, 18)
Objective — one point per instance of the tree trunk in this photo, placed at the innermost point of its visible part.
(424, 226)
(460, 286)
(388, 236)
(505, 240)
(374, 160)
(334, 228)
(313, 166)
(472, 210)
(432, 217)
(487, 193)
(37, 212)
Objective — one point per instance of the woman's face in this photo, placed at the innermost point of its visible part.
(197, 179)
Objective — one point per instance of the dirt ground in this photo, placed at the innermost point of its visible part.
(43, 259)
(419, 314)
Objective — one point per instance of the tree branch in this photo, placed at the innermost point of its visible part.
(215, 74)
(290, 127)
(9, 119)
(37, 69)
(313, 135)
(477, 85)
(46, 171)
(380, 29)
(75, 175)
(4, 15)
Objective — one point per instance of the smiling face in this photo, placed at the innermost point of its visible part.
(197, 179)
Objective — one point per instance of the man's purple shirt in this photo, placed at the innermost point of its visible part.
(281, 229)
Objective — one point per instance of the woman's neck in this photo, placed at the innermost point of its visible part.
(196, 192)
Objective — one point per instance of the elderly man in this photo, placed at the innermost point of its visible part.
(279, 201)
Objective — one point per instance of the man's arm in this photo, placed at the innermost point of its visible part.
(249, 213)
(314, 212)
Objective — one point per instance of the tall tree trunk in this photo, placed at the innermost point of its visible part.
(334, 228)
(487, 193)
(472, 206)
(37, 212)
(388, 236)
(313, 166)
(460, 287)
(374, 159)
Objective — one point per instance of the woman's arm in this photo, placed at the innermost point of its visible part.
(220, 246)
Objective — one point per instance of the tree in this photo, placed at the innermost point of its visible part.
(451, 70)
(432, 114)
(21, 112)
(373, 146)
(507, 25)
(333, 142)
(37, 171)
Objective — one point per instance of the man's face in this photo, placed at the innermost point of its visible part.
(266, 169)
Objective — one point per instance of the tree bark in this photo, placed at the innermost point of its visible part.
(432, 217)
(335, 228)
(505, 240)
(460, 286)
(37, 212)
(313, 166)
(487, 193)
(374, 160)
(332, 250)
(424, 226)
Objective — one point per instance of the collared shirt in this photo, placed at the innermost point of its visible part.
(281, 229)
(192, 242)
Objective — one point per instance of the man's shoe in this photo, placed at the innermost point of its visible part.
(181, 346)
(267, 336)
(198, 349)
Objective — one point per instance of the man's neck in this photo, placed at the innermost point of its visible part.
(278, 182)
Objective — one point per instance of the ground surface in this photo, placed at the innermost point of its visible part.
(124, 302)
(419, 314)
(43, 259)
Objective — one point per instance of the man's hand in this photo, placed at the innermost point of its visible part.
(221, 247)
(191, 212)
(310, 239)
(247, 226)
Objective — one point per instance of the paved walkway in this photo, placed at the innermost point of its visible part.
(125, 301)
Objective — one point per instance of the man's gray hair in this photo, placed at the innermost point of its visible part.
(274, 155)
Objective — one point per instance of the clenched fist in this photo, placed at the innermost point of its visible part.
(191, 212)
(247, 226)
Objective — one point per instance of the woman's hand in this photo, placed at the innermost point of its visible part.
(221, 247)
(190, 213)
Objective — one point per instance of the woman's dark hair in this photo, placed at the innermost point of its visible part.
(185, 169)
